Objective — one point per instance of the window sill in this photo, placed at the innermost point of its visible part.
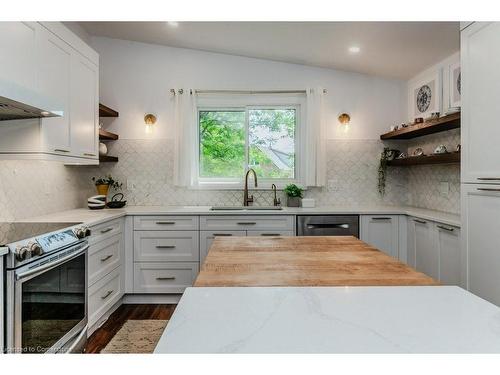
(262, 185)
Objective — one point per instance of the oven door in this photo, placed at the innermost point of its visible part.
(48, 303)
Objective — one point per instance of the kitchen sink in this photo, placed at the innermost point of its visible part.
(245, 208)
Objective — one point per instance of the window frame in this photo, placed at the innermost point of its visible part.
(218, 183)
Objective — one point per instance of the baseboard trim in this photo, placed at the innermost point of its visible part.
(151, 298)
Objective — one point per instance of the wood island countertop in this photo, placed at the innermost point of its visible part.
(303, 261)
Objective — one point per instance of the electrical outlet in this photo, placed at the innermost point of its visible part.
(444, 188)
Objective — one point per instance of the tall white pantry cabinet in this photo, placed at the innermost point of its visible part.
(480, 190)
(47, 59)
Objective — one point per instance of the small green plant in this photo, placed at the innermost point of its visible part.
(108, 180)
(293, 191)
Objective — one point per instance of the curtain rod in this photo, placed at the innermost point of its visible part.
(248, 92)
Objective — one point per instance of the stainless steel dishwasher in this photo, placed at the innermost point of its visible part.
(328, 225)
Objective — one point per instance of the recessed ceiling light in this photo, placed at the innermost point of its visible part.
(173, 24)
(354, 49)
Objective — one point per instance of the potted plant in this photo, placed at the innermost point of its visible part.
(104, 183)
(294, 195)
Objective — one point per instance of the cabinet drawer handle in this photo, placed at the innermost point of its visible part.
(247, 223)
(420, 221)
(489, 178)
(488, 189)
(88, 154)
(445, 228)
(166, 278)
(106, 230)
(270, 234)
(165, 222)
(108, 293)
(381, 218)
(60, 150)
(222, 234)
(165, 247)
(106, 258)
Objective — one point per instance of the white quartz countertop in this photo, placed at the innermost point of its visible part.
(92, 217)
(428, 319)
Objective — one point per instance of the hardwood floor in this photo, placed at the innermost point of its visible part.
(104, 334)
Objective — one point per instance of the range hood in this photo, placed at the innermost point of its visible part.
(17, 102)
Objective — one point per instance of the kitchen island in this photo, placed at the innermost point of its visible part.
(303, 261)
(323, 295)
(410, 319)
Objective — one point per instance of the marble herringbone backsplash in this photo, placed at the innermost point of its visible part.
(29, 188)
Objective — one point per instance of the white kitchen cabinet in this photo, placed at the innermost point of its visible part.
(104, 257)
(447, 240)
(426, 254)
(382, 232)
(434, 249)
(164, 277)
(166, 246)
(84, 107)
(50, 62)
(103, 295)
(18, 41)
(106, 274)
(481, 240)
(247, 222)
(480, 59)
(54, 81)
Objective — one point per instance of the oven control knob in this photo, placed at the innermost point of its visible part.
(35, 249)
(87, 232)
(80, 233)
(22, 253)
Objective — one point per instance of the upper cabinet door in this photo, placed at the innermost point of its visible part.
(18, 53)
(84, 107)
(54, 82)
(480, 62)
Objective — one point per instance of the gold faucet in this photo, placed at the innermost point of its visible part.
(277, 201)
(246, 198)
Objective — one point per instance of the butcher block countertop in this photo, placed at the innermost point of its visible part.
(303, 261)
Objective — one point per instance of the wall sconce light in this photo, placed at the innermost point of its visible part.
(344, 119)
(149, 120)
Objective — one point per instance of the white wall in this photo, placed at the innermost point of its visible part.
(135, 79)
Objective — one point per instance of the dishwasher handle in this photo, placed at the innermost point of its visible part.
(328, 226)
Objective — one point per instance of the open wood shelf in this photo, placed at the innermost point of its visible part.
(108, 159)
(107, 136)
(106, 111)
(449, 158)
(429, 127)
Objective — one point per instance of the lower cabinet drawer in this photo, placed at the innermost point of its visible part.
(166, 246)
(105, 230)
(247, 222)
(270, 233)
(164, 277)
(104, 294)
(104, 257)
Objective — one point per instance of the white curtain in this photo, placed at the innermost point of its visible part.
(185, 137)
(316, 135)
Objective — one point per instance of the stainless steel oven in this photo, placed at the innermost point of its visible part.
(47, 297)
